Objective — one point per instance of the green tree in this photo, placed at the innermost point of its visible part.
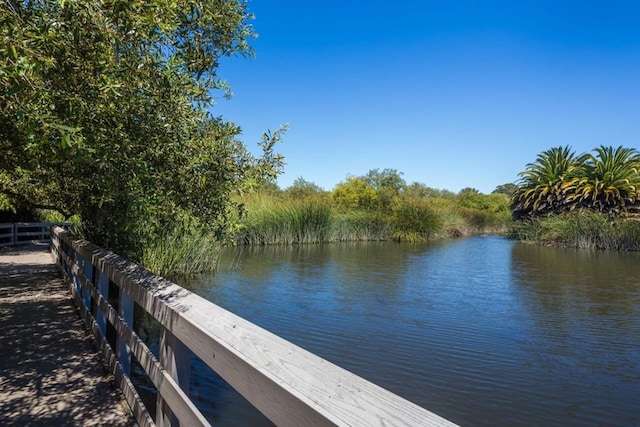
(540, 189)
(387, 178)
(468, 191)
(608, 181)
(356, 193)
(388, 185)
(302, 188)
(493, 203)
(507, 189)
(104, 112)
(418, 190)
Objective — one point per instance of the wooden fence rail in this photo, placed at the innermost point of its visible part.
(288, 384)
(24, 233)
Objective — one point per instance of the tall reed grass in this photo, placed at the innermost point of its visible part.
(183, 250)
(291, 221)
(486, 222)
(359, 226)
(284, 220)
(581, 229)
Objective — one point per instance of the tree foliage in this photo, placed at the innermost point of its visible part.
(607, 181)
(493, 203)
(420, 190)
(388, 185)
(104, 113)
(375, 190)
(356, 193)
(301, 188)
(389, 179)
(540, 187)
(507, 189)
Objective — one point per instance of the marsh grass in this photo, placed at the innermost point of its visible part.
(581, 229)
(454, 224)
(359, 226)
(291, 221)
(272, 219)
(182, 251)
(485, 222)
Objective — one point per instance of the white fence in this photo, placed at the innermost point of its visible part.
(288, 384)
(24, 233)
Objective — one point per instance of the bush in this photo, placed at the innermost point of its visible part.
(355, 194)
(415, 220)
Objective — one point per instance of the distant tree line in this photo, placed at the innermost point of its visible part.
(379, 205)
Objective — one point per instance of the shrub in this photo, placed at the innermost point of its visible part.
(355, 193)
(415, 220)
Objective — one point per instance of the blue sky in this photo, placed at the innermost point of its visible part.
(453, 94)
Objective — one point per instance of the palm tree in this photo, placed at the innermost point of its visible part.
(540, 189)
(607, 182)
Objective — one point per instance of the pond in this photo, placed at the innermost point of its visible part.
(482, 330)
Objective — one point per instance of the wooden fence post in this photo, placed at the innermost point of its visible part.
(175, 357)
(88, 274)
(77, 259)
(71, 253)
(126, 312)
(103, 290)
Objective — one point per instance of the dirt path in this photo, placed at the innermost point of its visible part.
(50, 373)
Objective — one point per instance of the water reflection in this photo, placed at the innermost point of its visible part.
(585, 307)
(607, 280)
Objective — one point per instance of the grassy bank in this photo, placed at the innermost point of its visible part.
(582, 229)
(282, 219)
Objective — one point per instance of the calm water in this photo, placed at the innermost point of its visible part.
(482, 331)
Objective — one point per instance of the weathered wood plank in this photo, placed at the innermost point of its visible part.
(7, 238)
(125, 306)
(179, 402)
(103, 290)
(290, 385)
(19, 233)
(175, 357)
(134, 401)
(35, 224)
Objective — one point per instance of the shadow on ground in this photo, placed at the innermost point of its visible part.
(50, 373)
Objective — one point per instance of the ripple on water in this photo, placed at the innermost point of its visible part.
(483, 331)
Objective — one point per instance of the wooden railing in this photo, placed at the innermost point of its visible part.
(24, 233)
(288, 384)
